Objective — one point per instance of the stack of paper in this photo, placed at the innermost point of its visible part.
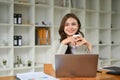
(35, 76)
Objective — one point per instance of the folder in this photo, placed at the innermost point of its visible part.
(40, 33)
(44, 39)
(43, 36)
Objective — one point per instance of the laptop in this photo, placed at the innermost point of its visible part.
(79, 65)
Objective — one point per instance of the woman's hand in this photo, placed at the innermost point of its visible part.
(69, 40)
(82, 41)
(77, 41)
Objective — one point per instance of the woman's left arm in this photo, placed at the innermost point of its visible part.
(89, 46)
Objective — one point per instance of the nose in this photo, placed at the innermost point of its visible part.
(70, 26)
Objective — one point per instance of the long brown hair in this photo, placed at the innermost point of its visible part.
(62, 25)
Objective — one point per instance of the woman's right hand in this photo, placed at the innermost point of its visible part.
(69, 40)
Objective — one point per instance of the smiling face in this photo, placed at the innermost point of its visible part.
(71, 26)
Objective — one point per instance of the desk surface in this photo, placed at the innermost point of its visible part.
(100, 76)
(49, 70)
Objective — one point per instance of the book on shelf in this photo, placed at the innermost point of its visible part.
(42, 36)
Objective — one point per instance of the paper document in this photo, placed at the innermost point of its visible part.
(35, 76)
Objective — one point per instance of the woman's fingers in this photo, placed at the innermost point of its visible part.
(76, 41)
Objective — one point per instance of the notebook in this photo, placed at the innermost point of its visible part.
(71, 65)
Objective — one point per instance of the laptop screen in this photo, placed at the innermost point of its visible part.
(71, 65)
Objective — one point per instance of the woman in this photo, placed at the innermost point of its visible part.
(71, 40)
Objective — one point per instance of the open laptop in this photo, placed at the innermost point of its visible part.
(71, 65)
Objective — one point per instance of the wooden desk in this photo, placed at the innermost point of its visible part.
(100, 76)
(49, 70)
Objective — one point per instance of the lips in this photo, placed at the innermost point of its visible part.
(71, 31)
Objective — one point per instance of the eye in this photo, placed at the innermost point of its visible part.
(66, 24)
(74, 24)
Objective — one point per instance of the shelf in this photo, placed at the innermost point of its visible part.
(91, 19)
(22, 3)
(22, 68)
(105, 20)
(90, 35)
(22, 71)
(104, 52)
(115, 36)
(115, 20)
(6, 2)
(115, 52)
(92, 5)
(105, 44)
(18, 47)
(39, 65)
(42, 46)
(39, 18)
(62, 3)
(58, 15)
(95, 49)
(46, 26)
(23, 25)
(81, 15)
(42, 5)
(117, 44)
(105, 5)
(5, 10)
(100, 23)
(103, 33)
(115, 59)
(44, 2)
(25, 33)
(4, 69)
(4, 24)
(78, 4)
(6, 36)
(5, 47)
(116, 5)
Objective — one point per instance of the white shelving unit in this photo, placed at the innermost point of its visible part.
(100, 25)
